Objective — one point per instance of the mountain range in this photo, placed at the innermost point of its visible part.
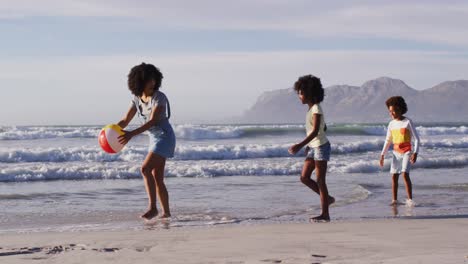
(445, 102)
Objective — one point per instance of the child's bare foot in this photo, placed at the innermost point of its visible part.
(410, 203)
(320, 219)
(331, 200)
(395, 203)
(164, 216)
(151, 213)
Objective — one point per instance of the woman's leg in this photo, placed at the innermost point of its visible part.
(150, 185)
(158, 175)
(321, 172)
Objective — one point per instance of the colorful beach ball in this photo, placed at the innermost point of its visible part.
(109, 138)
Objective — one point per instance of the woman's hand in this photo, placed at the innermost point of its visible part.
(294, 149)
(413, 158)
(125, 138)
(382, 158)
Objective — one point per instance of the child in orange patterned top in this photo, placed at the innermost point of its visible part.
(400, 131)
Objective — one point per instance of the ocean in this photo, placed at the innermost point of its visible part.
(57, 177)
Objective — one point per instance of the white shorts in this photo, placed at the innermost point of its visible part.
(400, 162)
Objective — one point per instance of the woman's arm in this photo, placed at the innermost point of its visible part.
(154, 119)
(128, 117)
(316, 118)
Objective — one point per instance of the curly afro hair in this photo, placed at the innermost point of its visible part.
(311, 88)
(140, 75)
(397, 102)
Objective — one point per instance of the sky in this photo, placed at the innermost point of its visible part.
(65, 62)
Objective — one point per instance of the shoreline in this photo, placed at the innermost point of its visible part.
(428, 240)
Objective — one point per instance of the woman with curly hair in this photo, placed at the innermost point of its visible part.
(153, 108)
(310, 91)
(400, 131)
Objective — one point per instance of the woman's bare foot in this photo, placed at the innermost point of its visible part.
(151, 213)
(331, 200)
(320, 219)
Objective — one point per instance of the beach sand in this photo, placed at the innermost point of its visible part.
(369, 241)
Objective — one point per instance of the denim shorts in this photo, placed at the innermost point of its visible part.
(400, 162)
(162, 141)
(320, 153)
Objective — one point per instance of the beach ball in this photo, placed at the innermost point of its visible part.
(109, 138)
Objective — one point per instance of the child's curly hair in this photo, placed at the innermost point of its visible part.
(311, 88)
(397, 102)
(140, 75)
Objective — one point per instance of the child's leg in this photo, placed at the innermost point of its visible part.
(321, 172)
(309, 166)
(163, 195)
(395, 186)
(150, 186)
(409, 185)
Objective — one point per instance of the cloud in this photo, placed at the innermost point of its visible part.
(209, 86)
(425, 21)
(21, 9)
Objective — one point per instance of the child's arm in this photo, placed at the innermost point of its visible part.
(415, 135)
(128, 117)
(316, 118)
(388, 141)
